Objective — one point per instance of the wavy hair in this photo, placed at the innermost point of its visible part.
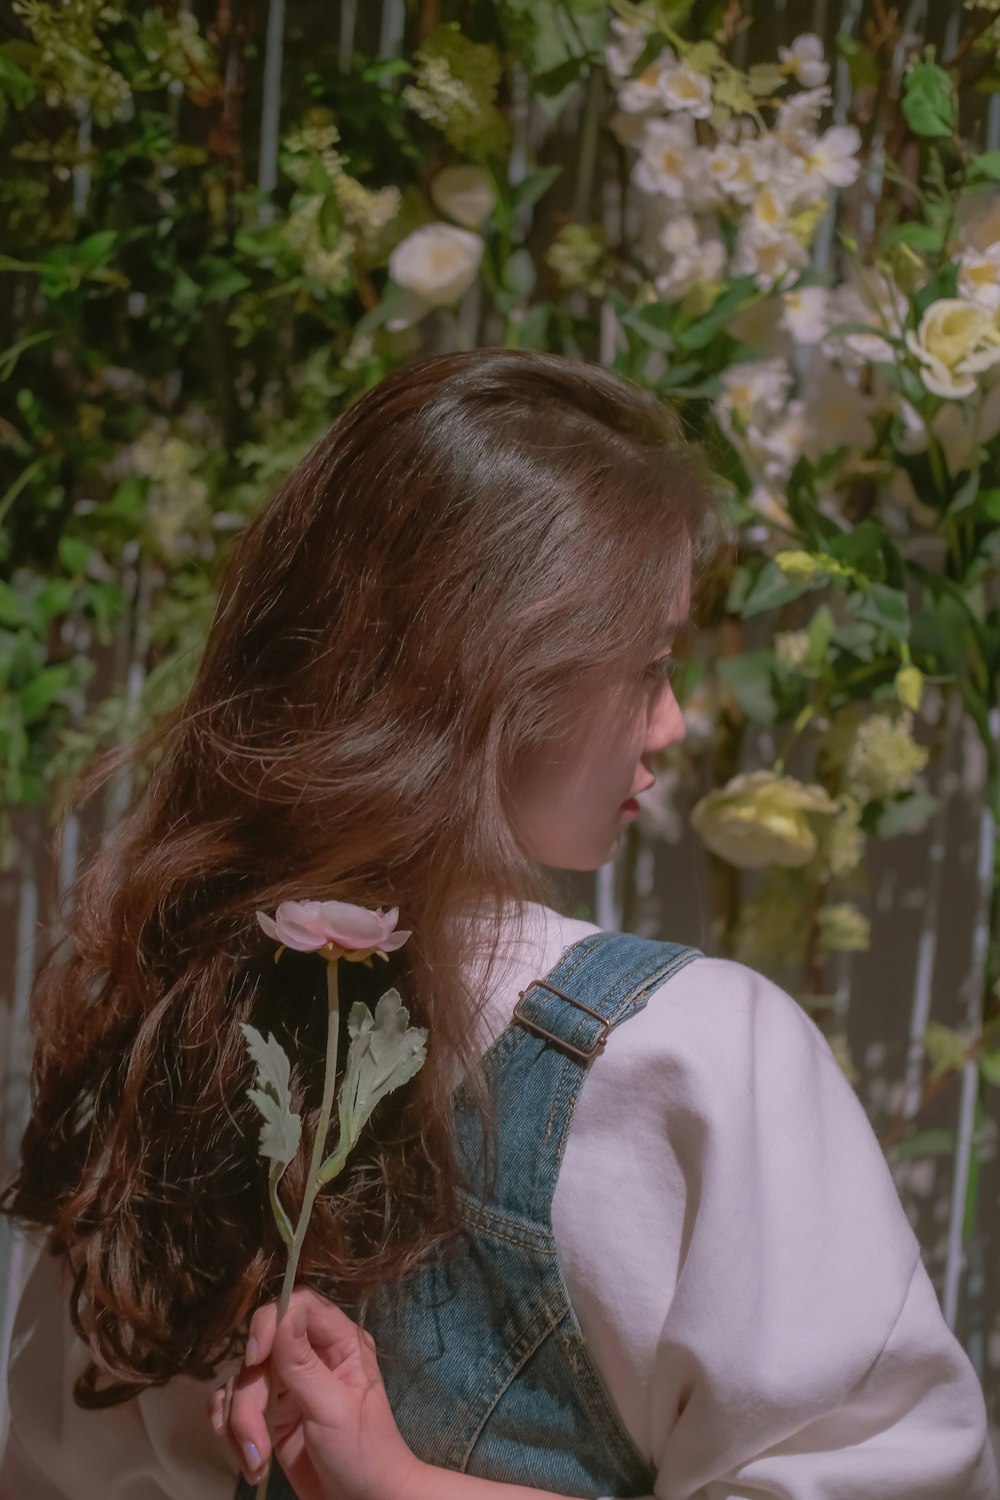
(396, 633)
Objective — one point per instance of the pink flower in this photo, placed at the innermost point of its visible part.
(334, 928)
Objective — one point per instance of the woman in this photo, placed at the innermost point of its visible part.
(439, 667)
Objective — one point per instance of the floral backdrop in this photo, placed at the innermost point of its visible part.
(224, 223)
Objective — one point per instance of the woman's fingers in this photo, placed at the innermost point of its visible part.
(312, 1342)
(335, 1336)
(246, 1423)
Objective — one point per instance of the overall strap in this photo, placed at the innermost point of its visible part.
(536, 1068)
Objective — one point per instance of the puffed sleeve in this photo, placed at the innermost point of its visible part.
(804, 1354)
(157, 1446)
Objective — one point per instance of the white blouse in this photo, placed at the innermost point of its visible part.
(736, 1253)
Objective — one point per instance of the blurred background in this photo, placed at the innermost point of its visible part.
(224, 222)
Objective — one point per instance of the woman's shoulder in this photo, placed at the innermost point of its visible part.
(721, 1004)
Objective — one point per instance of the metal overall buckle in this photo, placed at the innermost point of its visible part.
(582, 1052)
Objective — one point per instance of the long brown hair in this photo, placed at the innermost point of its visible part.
(396, 632)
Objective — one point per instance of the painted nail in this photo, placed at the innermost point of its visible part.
(252, 1455)
(250, 1357)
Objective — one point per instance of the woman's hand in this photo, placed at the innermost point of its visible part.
(333, 1430)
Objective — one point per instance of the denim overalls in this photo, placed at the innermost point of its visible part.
(483, 1359)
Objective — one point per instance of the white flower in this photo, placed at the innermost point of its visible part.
(806, 313)
(766, 501)
(437, 262)
(622, 54)
(764, 250)
(833, 157)
(800, 113)
(684, 89)
(696, 254)
(979, 276)
(961, 428)
(753, 394)
(956, 340)
(978, 218)
(726, 170)
(804, 60)
(662, 165)
(839, 415)
(645, 92)
(881, 305)
(465, 193)
(782, 446)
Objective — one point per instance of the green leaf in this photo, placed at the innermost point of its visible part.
(96, 248)
(281, 1218)
(74, 554)
(765, 78)
(219, 278)
(282, 1128)
(531, 188)
(771, 588)
(384, 1053)
(908, 814)
(887, 608)
(916, 235)
(820, 631)
(38, 695)
(930, 103)
(989, 1066)
(519, 272)
(750, 680)
(653, 322)
(725, 307)
(985, 167)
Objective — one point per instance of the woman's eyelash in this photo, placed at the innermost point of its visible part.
(662, 668)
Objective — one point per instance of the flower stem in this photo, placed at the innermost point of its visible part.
(313, 1178)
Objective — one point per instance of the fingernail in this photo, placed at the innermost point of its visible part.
(299, 1322)
(253, 1459)
(250, 1357)
(218, 1421)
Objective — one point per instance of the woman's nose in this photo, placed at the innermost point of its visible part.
(667, 724)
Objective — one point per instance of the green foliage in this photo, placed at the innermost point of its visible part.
(930, 102)
(385, 1052)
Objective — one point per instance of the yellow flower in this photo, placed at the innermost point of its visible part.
(759, 818)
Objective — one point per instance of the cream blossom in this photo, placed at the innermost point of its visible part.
(760, 818)
(978, 218)
(753, 394)
(782, 445)
(839, 414)
(465, 193)
(804, 60)
(955, 340)
(833, 158)
(437, 262)
(646, 91)
(696, 255)
(663, 156)
(799, 114)
(979, 276)
(881, 305)
(806, 313)
(684, 89)
(766, 251)
(622, 50)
